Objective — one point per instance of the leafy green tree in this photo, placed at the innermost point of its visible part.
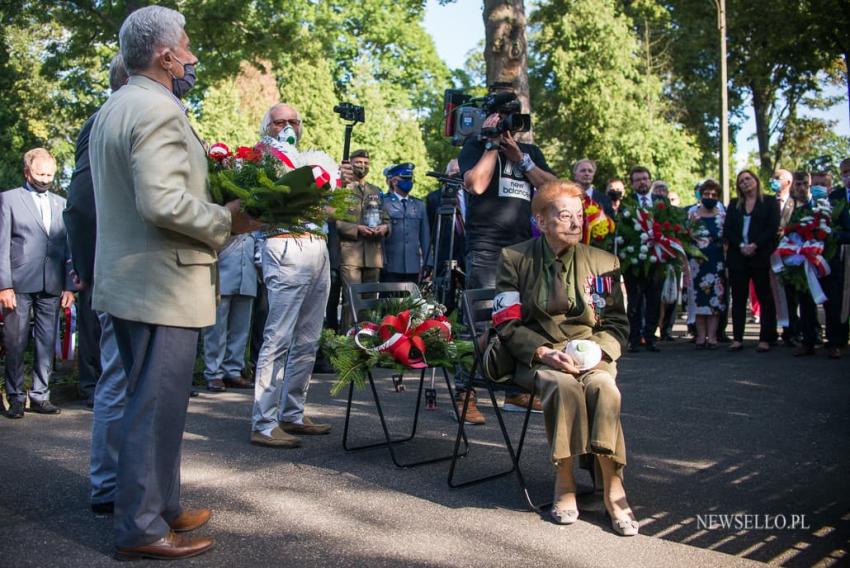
(391, 132)
(591, 91)
(307, 84)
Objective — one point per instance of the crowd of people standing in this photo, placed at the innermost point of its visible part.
(155, 269)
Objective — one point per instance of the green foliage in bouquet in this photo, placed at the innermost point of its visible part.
(352, 363)
(273, 194)
(806, 222)
(636, 253)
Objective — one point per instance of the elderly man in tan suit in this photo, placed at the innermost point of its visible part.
(552, 290)
(155, 273)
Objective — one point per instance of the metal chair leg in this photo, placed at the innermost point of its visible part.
(388, 441)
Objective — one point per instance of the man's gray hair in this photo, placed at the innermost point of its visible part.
(117, 72)
(584, 161)
(267, 119)
(146, 30)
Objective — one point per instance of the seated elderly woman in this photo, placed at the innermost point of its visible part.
(551, 290)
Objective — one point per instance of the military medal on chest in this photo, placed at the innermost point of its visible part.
(597, 288)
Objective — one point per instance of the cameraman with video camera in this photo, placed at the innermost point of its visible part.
(500, 176)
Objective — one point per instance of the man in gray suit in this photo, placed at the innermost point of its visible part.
(34, 275)
(155, 273)
(407, 243)
(224, 342)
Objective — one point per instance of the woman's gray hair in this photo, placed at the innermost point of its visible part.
(117, 72)
(146, 30)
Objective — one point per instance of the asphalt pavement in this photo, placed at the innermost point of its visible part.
(723, 448)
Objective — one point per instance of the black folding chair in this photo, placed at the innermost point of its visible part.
(364, 298)
(477, 310)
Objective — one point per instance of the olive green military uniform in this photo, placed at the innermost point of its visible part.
(361, 259)
(582, 413)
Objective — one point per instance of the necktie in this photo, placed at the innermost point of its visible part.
(44, 209)
(559, 301)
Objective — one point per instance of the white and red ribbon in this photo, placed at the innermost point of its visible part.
(400, 338)
(66, 340)
(793, 251)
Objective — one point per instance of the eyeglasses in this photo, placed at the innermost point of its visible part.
(284, 121)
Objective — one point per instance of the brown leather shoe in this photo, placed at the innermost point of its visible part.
(519, 403)
(171, 547)
(277, 439)
(237, 383)
(216, 385)
(473, 415)
(309, 428)
(190, 520)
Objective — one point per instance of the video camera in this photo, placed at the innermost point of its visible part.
(464, 115)
(449, 185)
(352, 112)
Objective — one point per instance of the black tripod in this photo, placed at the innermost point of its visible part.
(447, 276)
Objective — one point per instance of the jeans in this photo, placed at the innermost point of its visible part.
(225, 341)
(109, 396)
(297, 277)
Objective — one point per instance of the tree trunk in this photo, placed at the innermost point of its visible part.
(847, 76)
(761, 111)
(506, 48)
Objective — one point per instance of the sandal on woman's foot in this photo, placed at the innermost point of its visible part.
(563, 516)
(711, 346)
(623, 527)
(699, 346)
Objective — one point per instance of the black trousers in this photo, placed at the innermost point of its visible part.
(88, 337)
(158, 361)
(332, 309)
(739, 279)
(808, 317)
(644, 295)
(833, 286)
(793, 329)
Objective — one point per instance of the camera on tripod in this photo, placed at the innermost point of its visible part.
(449, 185)
(465, 115)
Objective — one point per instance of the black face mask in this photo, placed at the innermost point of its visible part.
(615, 195)
(40, 187)
(181, 86)
(709, 203)
(360, 172)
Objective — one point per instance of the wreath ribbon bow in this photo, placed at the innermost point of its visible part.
(794, 251)
(400, 340)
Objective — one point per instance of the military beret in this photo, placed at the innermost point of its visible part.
(360, 154)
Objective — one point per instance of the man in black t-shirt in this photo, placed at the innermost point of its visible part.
(500, 176)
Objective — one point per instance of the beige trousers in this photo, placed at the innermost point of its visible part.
(582, 414)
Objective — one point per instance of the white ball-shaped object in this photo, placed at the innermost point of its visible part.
(584, 352)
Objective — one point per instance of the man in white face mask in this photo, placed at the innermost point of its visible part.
(34, 278)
